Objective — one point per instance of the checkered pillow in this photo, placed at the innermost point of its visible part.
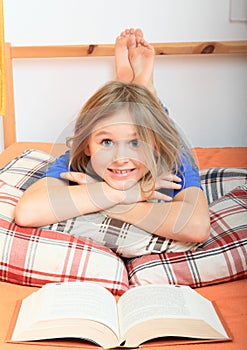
(31, 256)
(25, 169)
(217, 182)
(222, 258)
(124, 239)
(75, 257)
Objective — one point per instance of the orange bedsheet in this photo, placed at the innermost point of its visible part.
(221, 157)
(230, 298)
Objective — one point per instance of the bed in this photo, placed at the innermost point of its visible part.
(32, 257)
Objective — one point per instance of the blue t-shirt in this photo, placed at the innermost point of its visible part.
(188, 172)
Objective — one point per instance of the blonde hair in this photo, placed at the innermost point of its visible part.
(149, 117)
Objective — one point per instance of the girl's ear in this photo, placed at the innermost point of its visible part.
(87, 150)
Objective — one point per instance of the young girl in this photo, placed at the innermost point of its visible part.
(125, 159)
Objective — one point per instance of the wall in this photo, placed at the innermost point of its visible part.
(206, 95)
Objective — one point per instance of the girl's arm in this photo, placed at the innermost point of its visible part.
(50, 200)
(186, 218)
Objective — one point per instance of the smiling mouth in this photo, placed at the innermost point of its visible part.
(121, 172)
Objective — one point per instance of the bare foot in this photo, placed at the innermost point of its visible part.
(141, 57)
(124, 70)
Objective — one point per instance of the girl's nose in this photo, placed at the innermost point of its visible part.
(121, 152)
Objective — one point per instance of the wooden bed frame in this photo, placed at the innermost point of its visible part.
(231, 297)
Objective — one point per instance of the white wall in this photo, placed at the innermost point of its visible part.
(206, 95)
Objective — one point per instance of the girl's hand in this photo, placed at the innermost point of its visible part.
(168, 181)
(136, 194)
(78, 177)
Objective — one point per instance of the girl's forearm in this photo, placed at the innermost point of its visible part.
(183, 219)
(49, 201)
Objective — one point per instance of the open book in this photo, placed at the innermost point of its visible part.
(89, 311)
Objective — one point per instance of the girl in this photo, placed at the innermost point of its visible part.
(125, 159)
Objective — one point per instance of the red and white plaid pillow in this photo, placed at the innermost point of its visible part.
(25, 257)
(124, 239)
(31, 256)
(222, 258)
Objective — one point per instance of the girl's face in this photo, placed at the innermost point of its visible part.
(115, 151)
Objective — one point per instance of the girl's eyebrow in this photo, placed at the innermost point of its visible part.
(102, 132)
(107, 133)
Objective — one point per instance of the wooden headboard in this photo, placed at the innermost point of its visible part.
(15, 52)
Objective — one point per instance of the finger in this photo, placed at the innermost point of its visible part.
(171, 177)
(169, 185)
(65, 176)
(176, 178)
(80, 178)
(162, 197)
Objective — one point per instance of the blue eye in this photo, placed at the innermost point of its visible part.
(107, 143)
(134, 143)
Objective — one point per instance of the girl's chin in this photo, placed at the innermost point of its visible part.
(121, 185)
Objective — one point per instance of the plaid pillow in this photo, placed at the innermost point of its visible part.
(222, 258)
(217, 182)
(167, 268)
(124, 239)
(25, 169)
(31, 256)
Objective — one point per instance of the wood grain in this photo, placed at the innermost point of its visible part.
(94, 50)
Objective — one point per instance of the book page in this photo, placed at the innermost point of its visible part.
(201, 308)
(165, 301)
(29, 307)
(70, 300)
(151, 301)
